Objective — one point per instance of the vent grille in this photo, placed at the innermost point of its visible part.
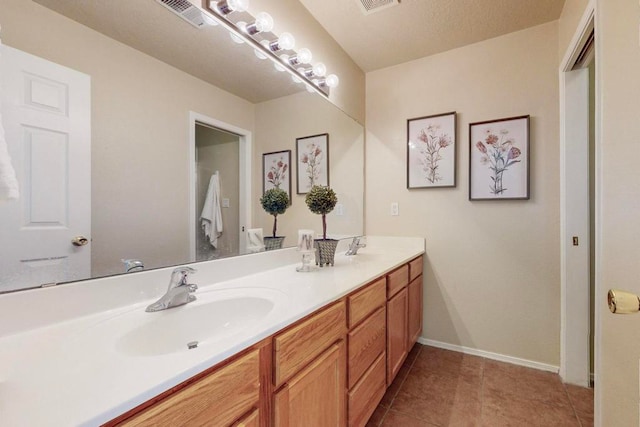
(185, 10)
(371, 6)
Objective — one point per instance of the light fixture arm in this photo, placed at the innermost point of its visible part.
(264, 48)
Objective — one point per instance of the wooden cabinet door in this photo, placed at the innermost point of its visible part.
(218, 399)
(316, 396)
(396, 333)
(415, 311)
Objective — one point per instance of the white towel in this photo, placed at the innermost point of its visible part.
(255, 241)
(8, 180)
(211, 216)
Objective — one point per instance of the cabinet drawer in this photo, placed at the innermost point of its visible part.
(218, 399)
(397, 280)
(251, 420)
(415, 268)
(366, 343)
(301, 344)
(366, 301)
(366, 395)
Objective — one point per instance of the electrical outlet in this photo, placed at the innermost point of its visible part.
(395, 209)
(339, 209)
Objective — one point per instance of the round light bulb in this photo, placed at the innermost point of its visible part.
(332, 80)
(264, 22)
(319, 69)
(238, 5)
(286, 41)
(296, 79)
(279, 67)
(310, 89)
(304, 56)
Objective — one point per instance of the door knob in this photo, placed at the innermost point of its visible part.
(621, 302)
(79, 241)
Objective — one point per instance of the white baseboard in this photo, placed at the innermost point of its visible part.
(490, 355)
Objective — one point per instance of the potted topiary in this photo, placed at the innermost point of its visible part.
(321, 201)
(275, 201)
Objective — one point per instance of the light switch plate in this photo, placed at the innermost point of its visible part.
(225, 203)
(395, 209)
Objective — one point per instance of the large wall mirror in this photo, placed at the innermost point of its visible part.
(118, 113)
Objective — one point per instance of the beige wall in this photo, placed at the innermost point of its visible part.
(569, 18)
(140, 110)
(292, 16)
(492, 268)
(618, 92)
(311, 115)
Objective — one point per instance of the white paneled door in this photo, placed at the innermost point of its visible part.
(46, 114)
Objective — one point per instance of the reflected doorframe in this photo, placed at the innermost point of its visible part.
(244, 167)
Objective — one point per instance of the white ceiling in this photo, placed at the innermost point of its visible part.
(418, 28)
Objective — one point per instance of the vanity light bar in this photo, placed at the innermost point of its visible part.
(222, 11)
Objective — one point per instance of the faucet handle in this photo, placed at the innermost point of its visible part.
(179, 276)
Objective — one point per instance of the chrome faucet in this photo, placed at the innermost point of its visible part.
(179, 291)
(354, 246)
(132, 265)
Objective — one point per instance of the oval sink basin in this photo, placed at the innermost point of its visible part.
(214, 316)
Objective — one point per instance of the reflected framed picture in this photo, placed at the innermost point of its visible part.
(276, 171)
(431, 151)
(499, 159)
(312, 161)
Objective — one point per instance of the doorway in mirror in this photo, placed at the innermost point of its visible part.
(220, 209)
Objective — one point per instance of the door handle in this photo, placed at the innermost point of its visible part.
(79, 241)
(622, 302)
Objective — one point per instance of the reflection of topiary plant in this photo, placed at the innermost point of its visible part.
(321, 201)
(275, 201)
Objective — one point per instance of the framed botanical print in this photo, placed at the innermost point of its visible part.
(312, 157)
(499, 159)
(276, 171)
(431, 151)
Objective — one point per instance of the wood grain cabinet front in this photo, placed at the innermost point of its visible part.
(316, 396)
(397, 349)
(218, 399)
(366, 342)
(367, 393)
(364, 302)
(414, 324)
(299, 345)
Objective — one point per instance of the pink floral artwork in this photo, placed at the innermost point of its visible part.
(313, 162)
(277, 171)
(499, 159)
(431, 151)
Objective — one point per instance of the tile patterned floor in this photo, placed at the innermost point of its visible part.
(444, 388)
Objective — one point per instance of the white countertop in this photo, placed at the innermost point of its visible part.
(72, 371)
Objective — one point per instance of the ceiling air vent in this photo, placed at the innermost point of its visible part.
(186, 11)
(370, 6)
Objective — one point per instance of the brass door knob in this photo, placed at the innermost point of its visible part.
(622, 302)
(79, 241)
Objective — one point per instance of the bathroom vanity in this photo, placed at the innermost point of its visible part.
(309, 349)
